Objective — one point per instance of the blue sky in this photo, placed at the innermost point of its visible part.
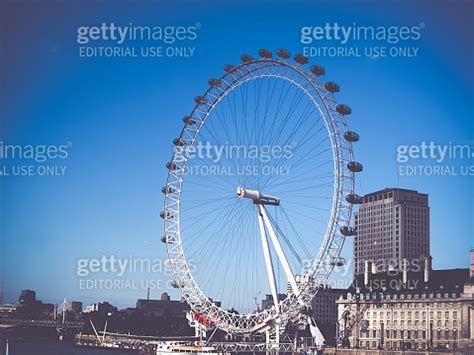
(120, 116)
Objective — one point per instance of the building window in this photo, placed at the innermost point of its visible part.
(455, 314)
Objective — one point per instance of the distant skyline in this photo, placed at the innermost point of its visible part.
(117, 118)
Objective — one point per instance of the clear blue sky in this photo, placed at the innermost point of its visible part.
(121, 116)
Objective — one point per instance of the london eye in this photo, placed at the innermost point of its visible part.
(259, 194)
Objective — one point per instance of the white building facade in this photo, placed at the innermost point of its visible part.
(417, 310)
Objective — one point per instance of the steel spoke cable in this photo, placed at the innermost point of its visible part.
(308, 206)
(287, 241)
(297, 234)
(298, 98)
(269, 137)
(304, 157)
(233, 228)
(305, 179)
(229, 140)
(213, 249)
(195, 236)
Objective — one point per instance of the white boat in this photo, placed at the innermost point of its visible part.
(173, 348)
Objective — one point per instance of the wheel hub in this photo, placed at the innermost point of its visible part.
(257, 197)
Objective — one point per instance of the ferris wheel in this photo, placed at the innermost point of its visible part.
(259, 194)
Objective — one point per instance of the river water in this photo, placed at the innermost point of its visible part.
(52, 347)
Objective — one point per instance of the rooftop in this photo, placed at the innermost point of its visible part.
(440, 281)
(394, 189)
